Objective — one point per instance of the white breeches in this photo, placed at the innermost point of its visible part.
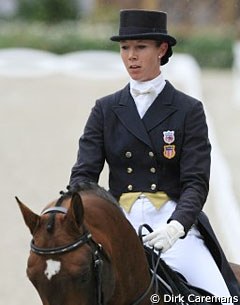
(189, 255)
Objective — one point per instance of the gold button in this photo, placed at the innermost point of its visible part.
(153, 170)
(129, 170)
(153, 187)
(151, 154)
(130, 187)
(128, 154)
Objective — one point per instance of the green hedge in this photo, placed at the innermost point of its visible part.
(212, 51)
(60, 38)
(49, 11)
(209, 50)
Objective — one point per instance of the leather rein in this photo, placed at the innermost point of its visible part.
(97, 252)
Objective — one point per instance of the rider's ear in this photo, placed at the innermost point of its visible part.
(163, 49)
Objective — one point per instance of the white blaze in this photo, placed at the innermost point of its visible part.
(53, 268)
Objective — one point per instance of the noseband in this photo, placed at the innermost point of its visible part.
(86, 238)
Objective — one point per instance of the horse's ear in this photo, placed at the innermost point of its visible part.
(31, 219)
(76, 211)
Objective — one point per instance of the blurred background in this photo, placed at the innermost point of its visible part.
(205, 29)
(56, 59)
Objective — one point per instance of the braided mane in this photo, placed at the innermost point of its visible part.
(87, 187)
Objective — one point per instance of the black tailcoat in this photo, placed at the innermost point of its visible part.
(135, 150)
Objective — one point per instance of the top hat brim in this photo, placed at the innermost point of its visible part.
(151, 36)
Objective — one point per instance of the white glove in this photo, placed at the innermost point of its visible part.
(164, 237)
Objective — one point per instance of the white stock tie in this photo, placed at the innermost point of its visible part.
(143, 98)
(136, 92)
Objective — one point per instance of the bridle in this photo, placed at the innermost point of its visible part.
(86, 238)
(97, 253)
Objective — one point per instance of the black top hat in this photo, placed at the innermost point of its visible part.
(143, 24)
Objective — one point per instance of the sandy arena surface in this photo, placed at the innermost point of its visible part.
(41, 119)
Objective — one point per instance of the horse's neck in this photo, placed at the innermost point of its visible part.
(120, 241)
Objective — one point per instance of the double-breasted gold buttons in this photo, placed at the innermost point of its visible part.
(151, 154)
(153, 187)
(128, 154)
(130, 187)
(129, 170)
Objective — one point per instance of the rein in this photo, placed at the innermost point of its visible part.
(154, 283)
(151, 285)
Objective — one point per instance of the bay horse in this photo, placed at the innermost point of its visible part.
(85, 252)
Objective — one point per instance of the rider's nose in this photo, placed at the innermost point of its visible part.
(132, 54)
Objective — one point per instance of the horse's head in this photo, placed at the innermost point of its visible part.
(65, 264)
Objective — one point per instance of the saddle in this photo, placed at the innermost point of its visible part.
(170, 285)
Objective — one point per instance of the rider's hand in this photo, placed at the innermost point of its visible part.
(164, 237)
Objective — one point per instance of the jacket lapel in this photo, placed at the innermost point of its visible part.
(161, 108)
(127, 113)
(158, 112)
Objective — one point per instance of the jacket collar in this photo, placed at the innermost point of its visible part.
(161, 108)
(159, 111)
